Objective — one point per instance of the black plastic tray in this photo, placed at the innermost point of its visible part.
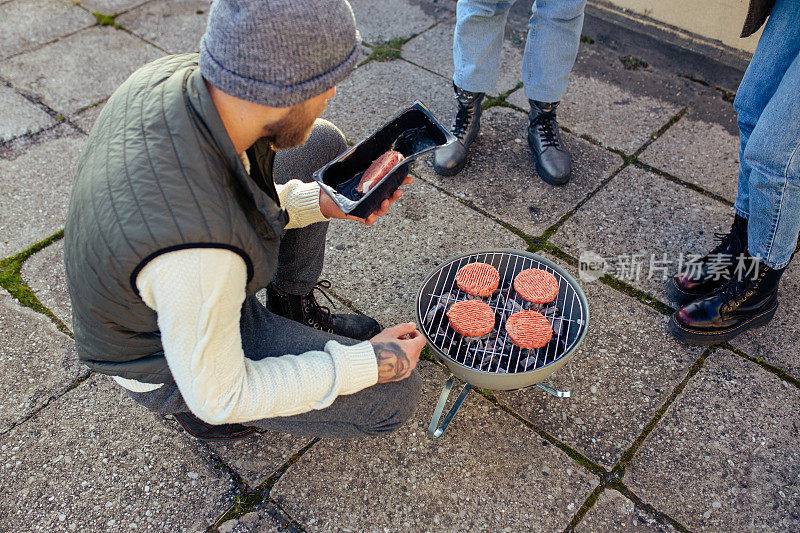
(414, 132)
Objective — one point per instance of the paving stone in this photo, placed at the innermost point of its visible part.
(174, 25)
(384, 21)
(625, 370)
(44, 273)
(640, 213)
(615, 512)
(96, 461)
(257, 457)
(111, 7)
(699, 152)
(365, 265)
(726, 455)
(37, 361)
(26, 24)
(434, 51)
(607, 113)
(18, 116)
(86, 118)
(79, 70)
(487, 472)
(35, 190)
(376, 92)
(777, 342)
(500, 175)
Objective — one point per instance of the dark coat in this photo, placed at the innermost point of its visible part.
(757, 14)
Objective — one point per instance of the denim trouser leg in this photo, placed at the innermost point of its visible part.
(768, 107)
(477, 44)
(776, 50)
(554, 34)
(550, 50)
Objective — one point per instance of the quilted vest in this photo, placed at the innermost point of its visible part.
(159, 173)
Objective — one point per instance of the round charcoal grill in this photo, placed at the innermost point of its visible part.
(494, 362)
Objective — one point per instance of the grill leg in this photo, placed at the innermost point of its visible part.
(560, 393)
(435, 430)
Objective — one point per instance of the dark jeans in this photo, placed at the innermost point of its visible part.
(372, 411)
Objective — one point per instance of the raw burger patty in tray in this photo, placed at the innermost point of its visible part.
(378, 169)
(478, 279)
(529, 329)
(536, 286)
(471, 318)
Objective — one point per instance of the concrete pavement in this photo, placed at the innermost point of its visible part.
(659, 436)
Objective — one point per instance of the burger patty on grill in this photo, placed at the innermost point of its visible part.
(471, 318)
(529, 329)
(536, 286)
(478, 279)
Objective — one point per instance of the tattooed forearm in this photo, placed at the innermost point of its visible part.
(393, 363)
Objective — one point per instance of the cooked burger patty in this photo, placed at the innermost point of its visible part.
(478, 279)
(529, 329)
(471, 318)
(536, 286)
(378, 169)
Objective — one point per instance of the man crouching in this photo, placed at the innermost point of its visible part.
(175, 222)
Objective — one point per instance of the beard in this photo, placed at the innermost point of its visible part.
(293, 129)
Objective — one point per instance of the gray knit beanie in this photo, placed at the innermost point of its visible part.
(278, 53)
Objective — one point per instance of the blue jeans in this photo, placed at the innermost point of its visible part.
(768, 111)
(554, 34)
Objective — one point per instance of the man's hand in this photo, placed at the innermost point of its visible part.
(397, 350)
(329, 208)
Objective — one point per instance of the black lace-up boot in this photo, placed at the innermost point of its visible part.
(449, 160)
(204, 431)
(553, 162)
(737, 306)
(306, 310)
(703, 277)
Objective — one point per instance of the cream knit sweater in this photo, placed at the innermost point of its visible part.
(198, 294)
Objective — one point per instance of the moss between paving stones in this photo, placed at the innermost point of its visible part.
(11, 280)
(619, 470)
(106, 20)
(248, 500)
(781, 373)
(666, 175)
(386, 50)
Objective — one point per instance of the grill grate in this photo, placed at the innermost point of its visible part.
(496, 353)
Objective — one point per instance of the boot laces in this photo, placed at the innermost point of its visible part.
(545, 123)
(316, 315)
(735, 290)
(465, 114)
(726, 241)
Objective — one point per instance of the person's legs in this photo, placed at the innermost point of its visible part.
(477, 44)
(777, 49)
(302, 250)
(773, 156)
(554, 34)
(771, 160)
(372, 411)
